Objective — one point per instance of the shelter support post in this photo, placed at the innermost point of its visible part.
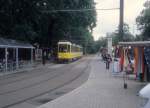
(6, 59)
(140, 62)
(17, 63)
(14, 53)
(31, 55)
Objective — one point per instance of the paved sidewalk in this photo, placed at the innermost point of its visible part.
(102, 90)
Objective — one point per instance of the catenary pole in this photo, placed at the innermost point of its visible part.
(121, 32)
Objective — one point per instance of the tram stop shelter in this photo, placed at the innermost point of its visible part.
(141, 52)
(12, 52)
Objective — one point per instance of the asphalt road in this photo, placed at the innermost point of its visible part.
(38, 86)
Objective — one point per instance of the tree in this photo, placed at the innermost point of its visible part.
(27, 20)
(127, 35)
(143, 21)
(19, 19)
(100, 43)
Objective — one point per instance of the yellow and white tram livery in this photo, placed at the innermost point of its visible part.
(68, 51)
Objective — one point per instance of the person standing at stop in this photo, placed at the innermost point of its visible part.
(108, 60)
(44, 57)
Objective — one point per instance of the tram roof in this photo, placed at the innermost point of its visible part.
(69, 43)
(9, 43)
(64, 43)
(135, 43)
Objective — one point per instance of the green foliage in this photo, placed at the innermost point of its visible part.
(27, 20)
(101, 43)
(127, 35)
(143, 21)
(138, 38)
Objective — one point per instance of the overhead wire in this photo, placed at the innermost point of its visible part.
(79, 10)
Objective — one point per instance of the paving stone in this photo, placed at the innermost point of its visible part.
(102, 90)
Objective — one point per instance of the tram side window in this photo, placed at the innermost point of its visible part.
(78, 49)
(72, 48)
(69, 48)
(81, 50)
(64, 48)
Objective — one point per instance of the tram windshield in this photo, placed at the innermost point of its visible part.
(63, 48)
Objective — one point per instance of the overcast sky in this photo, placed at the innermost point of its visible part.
(108, 21)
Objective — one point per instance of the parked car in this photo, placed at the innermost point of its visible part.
(145, 95)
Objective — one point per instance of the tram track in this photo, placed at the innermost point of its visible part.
(37, 83)
(31, 75)
(46, 80)
(82, 72)
(24, 78)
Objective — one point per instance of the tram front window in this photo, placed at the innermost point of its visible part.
(63, 48)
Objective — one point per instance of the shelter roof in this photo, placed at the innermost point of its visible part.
(135, 43)
(9, 43)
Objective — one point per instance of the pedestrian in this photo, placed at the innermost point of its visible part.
(49, 56)
(108, 60)
(44, 57)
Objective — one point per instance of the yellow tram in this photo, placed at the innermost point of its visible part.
(68, 51)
